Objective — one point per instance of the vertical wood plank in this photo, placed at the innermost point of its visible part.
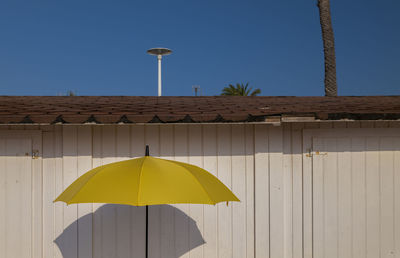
(287, 191)
(358, 196)
(97, 218)
(249, 172)
(19, 182)
(152, 139)
(138, 229)
(224, 174)
(239, 189)
(59, 187)
(261, 178)
(37, 198)
(70, 173)
(330, 185)
(196, 210)
(297, 200)
(167, 211)
(373, 197)
(210, 212)
(84, 164)
(387, 196)
(108, 212)
(344, 198)
(276, 192)
(49, 194)
(3, 198)
(318, 207)
(396, 166)
(181, 218)
(124, 226)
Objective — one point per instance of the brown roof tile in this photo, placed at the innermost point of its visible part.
(134, 109)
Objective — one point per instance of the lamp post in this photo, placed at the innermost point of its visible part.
(159, 52)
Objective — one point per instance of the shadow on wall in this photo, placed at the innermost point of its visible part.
(119, 231)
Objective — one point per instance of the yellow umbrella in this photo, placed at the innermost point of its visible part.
(147, 181)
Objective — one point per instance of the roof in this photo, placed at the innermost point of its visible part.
(135, 109)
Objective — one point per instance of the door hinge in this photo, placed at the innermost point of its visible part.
(311, 153)
(35, 154)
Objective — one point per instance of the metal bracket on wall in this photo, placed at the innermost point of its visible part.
(311, 153)
(35, 154)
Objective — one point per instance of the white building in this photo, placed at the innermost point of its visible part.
(316, 176)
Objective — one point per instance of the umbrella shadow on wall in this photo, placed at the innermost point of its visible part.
(119, 231)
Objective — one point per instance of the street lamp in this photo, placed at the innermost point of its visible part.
(159, 52)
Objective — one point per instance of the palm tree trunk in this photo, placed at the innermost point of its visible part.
(329, 48)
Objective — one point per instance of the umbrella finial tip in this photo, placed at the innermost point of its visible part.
(147, 151)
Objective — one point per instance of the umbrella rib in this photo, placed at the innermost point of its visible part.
(197, 181)
(140, 180)
(80, 189)
(202, 187)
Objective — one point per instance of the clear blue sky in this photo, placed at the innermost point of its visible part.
(99, 47)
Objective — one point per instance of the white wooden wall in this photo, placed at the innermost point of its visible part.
(264, 165)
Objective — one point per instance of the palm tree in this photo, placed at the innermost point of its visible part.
(329, 47)
(240, 90)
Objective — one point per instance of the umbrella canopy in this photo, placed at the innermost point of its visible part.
(147, 181)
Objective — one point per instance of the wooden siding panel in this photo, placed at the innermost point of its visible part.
(108, 212)
(196, 210)
(224, 168)
(297, 191)
(181, 215)
(137, 221)
(58, 184)
(249, 142)
(238, 171)
(123, 212)
(287, 191)
(386, 170)
(84, 164)
(358, 196)
(68, 242)
(3, 198)
(276, 192)
(396, 182)
(152, 138)
(97, 218)
(373, 197)
(210, 212)
(344, 191)
(273, 219)
(261, 177)
(49, 187)
(167, 236)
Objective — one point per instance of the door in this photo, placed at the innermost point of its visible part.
(16, 195)
(356, 193)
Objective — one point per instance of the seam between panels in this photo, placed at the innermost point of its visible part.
(394, 196)
(231, 177)
(202, 166)
(216, 154)
(91, 162)
(245, 182)
(269, 191)
(366, 195)
(77, 175)
(254, 188)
